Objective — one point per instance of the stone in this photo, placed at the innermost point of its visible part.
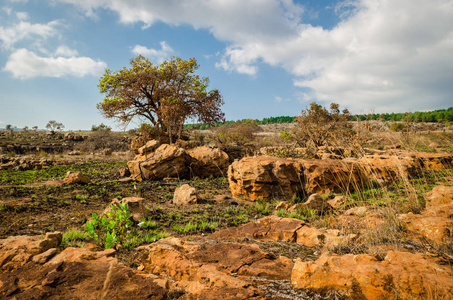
(124, 172)
(282, 205)
(74, 153)
(107, 151)
(208, 161)
(434, 223)
(185, 195)
(337, 201)
(316, 202)
(264, 177)
(76, 177)
(401, 274)
(358, 211)
(166, 161)
(149, 147)
(45, 256)
(135, 206)
(271, 228)
(439, 195)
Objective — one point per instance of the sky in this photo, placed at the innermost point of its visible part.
(267, 58)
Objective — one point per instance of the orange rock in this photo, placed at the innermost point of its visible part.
(401, 274)
(439, 195)
(207, 161)
(434, 223)
(76, 177)
(185, 195)
(271, 228)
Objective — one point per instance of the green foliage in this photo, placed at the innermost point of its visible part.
(286, 136)
(74, 238)
(263, 208)
(165, 94)
(439, 115)
(110, 230)
(100, 127)
(397, 127)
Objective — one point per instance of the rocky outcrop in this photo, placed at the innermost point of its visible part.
(400, 275)
(214, 270)
(265, 177)
(207, 161)
(439, 195)
(32, 268)
(173, 161)
(435, 223)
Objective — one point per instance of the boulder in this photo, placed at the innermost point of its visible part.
(265, 177)
(434, 223)
(389, 168)
(207, 161)
(76, 177)
(314, 202)
(184, 195)
(400, 275)
(166, 161)
(439, 195)
(337, 201)
(329, 238)
(149, 147)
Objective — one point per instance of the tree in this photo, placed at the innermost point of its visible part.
(54, 125)
(102, 126)
(166, 95)
(35, 128)
(25, 128)
(9, 127)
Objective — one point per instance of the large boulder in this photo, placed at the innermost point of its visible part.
(265, 177)
(400, 275)
(439, 195)
(166, 161)
(207, 161)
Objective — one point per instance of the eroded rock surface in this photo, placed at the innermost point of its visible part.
(411, 276)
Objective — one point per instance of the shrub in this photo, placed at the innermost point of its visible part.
(316, 127)
(240, 132)
(397, 127)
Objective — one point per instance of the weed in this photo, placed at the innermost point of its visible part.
(74, 238)
(262, 208)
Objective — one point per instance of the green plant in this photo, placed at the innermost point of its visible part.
(74, 238)
(262, 207)
(3, 206)
(110, 230)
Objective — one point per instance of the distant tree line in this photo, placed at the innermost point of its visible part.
(439, 115)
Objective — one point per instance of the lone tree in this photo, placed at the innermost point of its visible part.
(166, 95)
(54, 125)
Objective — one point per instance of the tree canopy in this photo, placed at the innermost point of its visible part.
(165, 95)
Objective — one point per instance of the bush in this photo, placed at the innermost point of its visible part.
(240, 132)
(397, 127)
(316, 127)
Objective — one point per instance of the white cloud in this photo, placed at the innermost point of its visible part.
(24, 64)
(65, 51)
(25, 30)
(7, 10)
(22, 16)
(384, 53)
(157, 56)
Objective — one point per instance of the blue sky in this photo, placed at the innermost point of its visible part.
(267, 57)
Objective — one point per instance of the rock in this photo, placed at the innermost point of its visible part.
(439, 195)
(107, 151)
(135, 206)
(265, 177)
(359, 211)
(283, 205)
(271, 228)
(391, 147)
(166, 161)
(185, 195)
(434, 223)
(124, 172)
(44, 257)
(337, 202)
(207, 161)
(329, 238)
(74, 153)
(401, 274)
(317, 203)
(436, 161)
(388, 168)
(149, 147)
(76, 177)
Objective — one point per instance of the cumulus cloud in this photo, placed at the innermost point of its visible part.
(21, 15)
(393, 54)
(25, 64)
(25, 30)
(155, 55)
(65, 51)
